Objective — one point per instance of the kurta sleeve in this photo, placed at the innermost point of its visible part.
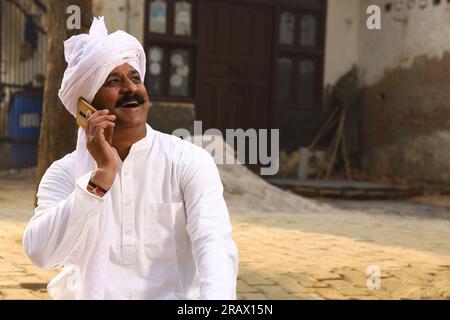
(208, 223)
(64, 213)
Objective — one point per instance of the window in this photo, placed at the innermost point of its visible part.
(171, 45)
(300, 48)
(179, 72)
(183, 18)
(308, 31)
(306, 81)
(158, 16)
(284, 80)
(287, 22)
(155, 66)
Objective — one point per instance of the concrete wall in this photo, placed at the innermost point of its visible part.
(407, 32)
(342, 38)
(127, 15)
(405, 68)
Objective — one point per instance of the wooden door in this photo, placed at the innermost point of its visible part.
(235, 43)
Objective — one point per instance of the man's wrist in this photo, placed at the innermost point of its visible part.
(103, 178)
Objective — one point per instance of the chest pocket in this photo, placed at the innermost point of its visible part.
(160, 229)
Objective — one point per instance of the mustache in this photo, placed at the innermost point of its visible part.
(132, 97)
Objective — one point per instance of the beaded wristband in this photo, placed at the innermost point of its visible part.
(95, 189)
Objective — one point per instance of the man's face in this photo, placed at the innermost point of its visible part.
(124, 94)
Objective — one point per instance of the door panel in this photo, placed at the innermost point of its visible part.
(235, 57)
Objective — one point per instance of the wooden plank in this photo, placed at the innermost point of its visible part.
(353, 190)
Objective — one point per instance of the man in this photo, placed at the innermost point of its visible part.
(143, 218)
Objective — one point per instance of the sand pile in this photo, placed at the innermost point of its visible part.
(245, 191)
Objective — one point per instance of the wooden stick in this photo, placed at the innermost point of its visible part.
(338, 139)
(330, 151)
(331, 121)
(344, 155)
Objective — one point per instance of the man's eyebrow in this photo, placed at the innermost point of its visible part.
(133, 72)
(113, 74)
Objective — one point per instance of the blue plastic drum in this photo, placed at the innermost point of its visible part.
(23, 128)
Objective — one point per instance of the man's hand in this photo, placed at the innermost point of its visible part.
(104, 154)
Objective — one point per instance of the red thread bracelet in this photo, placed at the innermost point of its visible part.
(95, 189)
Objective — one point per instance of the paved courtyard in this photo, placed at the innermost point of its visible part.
(282, 256)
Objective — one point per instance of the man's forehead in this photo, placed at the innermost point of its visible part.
(124, 68)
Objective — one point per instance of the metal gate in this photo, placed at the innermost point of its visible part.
(23, 51)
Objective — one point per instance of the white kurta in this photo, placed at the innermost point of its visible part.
(170, 231)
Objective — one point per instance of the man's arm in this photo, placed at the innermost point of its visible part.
(208, 224)
(65, 211)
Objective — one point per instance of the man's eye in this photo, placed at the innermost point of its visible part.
(112, 82)
(136, 79)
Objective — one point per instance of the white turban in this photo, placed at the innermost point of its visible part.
(91, 58)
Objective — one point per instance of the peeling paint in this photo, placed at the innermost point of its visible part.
(406, 33)
(405, 121)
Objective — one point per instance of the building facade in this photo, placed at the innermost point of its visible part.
(274, 63)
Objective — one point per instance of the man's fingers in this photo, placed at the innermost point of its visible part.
(97, 130)
(104, 124)
(90, 117)
(102, 118)
(101, 112)
(89, 113)
(96, 118)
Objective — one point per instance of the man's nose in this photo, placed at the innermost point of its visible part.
(128, 86)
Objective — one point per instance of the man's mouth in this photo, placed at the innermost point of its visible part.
(130, 104)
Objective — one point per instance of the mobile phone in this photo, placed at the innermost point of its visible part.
(82, 109)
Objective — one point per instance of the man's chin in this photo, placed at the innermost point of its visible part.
(126, 120)
(129, 125)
